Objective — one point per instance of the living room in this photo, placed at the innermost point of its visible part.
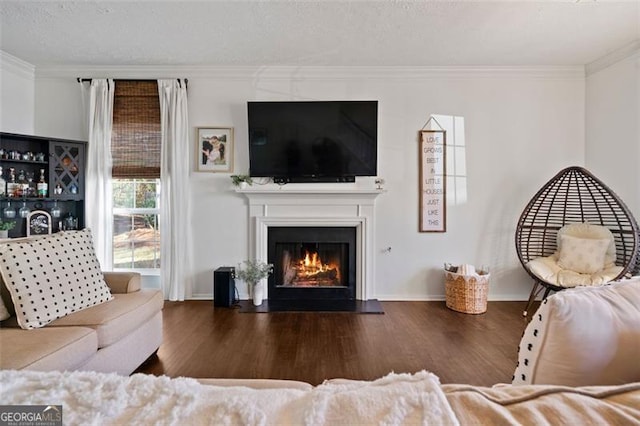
(534, 88)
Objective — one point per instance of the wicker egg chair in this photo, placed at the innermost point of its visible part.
(574, 195)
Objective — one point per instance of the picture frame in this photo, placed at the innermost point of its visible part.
(433, 181)
(38, 223)
(214, 149)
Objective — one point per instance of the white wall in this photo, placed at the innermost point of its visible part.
(522, 127)
(613, 129)
(16, 95)
(58, 109)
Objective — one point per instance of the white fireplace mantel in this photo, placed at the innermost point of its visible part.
(273, 207)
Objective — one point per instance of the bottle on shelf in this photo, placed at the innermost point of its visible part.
(22, 184)
(3, 184)
(30, 189)
(12, 185)
(42, 186)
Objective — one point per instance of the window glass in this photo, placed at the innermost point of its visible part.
(136, 235)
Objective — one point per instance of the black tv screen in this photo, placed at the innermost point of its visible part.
(318, 140)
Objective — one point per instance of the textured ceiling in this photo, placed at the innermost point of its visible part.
(382, 33)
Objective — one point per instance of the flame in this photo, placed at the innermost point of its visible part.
(312, 265)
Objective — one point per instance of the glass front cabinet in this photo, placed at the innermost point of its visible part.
(41, 175)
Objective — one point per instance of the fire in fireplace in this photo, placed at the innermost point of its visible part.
(312, 263)
(308, 268)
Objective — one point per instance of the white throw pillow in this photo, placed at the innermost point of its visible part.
(588, 230)
(52, 276)
(583, 255)
(582, 337)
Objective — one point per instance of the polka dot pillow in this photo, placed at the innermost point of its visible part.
(530, 346)
(53, 276)
(583, 336)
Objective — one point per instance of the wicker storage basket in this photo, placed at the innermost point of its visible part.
(467, 293)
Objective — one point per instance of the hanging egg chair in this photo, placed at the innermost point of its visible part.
(574, 199)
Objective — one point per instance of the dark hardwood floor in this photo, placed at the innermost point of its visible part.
(202, 341)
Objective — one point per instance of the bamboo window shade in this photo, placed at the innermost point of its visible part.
(135, 135)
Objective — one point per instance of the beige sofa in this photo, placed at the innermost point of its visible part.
(114, 336)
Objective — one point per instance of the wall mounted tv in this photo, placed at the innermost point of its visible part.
(316, 141)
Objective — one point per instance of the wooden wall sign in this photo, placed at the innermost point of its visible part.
(433, 194)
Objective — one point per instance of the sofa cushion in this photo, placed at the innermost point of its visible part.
(47, 348)
(118, 317)
(583, 336)
(545, 405)
(52, 276)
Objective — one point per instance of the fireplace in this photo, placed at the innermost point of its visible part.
(312, 263)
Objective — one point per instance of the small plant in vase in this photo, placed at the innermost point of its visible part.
(5, 227)
(241, 181)
(252, 274)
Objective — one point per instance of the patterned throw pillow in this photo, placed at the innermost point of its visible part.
(53, 276)
(583, 255)
(583, 336)
(531, 345)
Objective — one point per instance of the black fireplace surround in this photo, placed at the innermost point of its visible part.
(311, 264)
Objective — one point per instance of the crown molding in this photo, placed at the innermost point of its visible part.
(310, 72)
(16, 65)
(629, 51)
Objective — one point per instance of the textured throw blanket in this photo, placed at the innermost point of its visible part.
(90, 398)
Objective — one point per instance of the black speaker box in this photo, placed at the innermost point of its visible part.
(224, 286)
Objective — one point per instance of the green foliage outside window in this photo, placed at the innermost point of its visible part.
(136, 237)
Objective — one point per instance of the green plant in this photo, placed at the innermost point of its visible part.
(6, 226)
(254, 271)
(237, 179)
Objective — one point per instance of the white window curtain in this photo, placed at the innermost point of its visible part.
(98, 199)
(175, 211)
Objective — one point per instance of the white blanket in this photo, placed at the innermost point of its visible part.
(90, 398)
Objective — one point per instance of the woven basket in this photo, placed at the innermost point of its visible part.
(466, 293)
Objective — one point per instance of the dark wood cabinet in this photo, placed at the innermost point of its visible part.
(63, 164)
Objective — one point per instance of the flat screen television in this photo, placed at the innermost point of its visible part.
(323, 141)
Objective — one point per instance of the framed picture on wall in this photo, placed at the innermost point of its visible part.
(214, 149)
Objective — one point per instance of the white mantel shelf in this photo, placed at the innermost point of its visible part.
(257, 192)
(305, 206)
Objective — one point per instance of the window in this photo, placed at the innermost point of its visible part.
(136, 238)
(135, 147)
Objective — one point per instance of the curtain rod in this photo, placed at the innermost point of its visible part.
(83, 80)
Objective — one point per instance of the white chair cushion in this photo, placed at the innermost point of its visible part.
(583, 336)
(586, 256)
(548, 270)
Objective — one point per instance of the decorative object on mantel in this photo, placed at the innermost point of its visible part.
(241, 181)
(379, 183)
(5, 227)
(253, 273)
(214, 149)
(433, 194)
(466, 289)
